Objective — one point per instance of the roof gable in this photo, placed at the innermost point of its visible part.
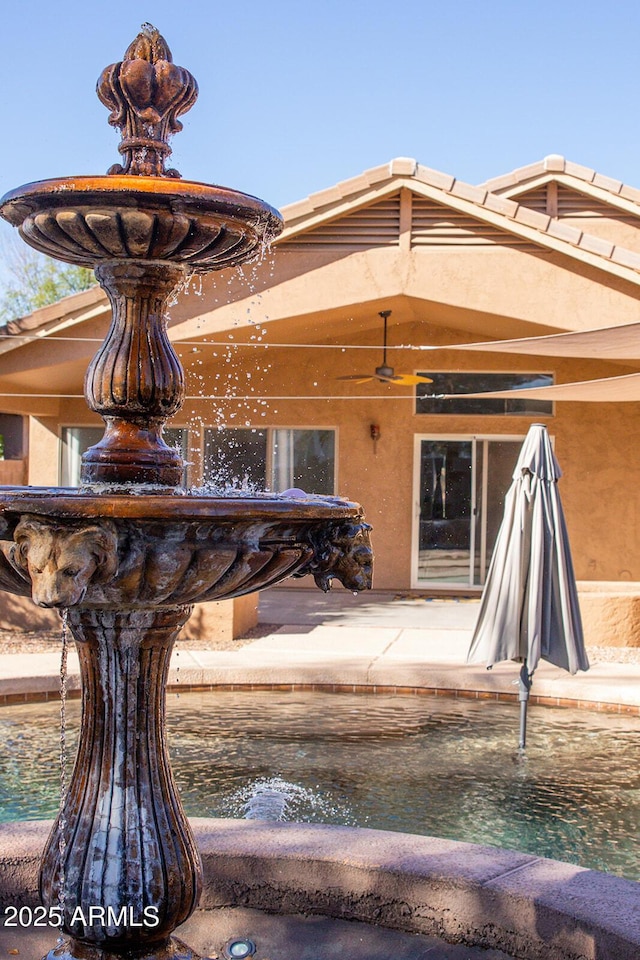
(448, 211)
(574, 176)
(576, 196)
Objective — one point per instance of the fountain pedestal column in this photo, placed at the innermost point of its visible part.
(121, 860)
(135, 381)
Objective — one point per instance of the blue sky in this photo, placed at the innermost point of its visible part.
(296, 96)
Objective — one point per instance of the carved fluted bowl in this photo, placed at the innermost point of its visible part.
(68, 548)
(91, 220)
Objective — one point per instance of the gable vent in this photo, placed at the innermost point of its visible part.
(535, 199)
(436, 225)
(577, 205)
(377, 225)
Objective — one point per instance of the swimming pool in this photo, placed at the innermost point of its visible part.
(432, 766)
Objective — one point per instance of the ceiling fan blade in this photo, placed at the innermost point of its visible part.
(410, 379)
(403, 379)
(357, 377)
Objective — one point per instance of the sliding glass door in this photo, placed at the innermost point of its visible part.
(459, 487)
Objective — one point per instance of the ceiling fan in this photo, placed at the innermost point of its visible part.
(385, 373)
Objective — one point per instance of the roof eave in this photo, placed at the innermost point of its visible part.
(53, 318)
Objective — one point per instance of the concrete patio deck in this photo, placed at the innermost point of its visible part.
(369, 641)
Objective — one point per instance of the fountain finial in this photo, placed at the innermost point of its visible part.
(146, 93)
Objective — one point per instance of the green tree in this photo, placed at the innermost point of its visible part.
(34, 280)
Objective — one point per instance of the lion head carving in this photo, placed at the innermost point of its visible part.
(62, 561)
(344, 554)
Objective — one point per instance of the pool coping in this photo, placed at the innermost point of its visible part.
(368, 665)
(529, 907)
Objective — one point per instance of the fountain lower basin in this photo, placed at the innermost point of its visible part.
(443, 767)
(531, 908)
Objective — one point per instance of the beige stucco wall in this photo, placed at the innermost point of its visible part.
(13, 472)
(594, 444)
(493, 291)
(223, 620)
(610, 613)
(44, 454)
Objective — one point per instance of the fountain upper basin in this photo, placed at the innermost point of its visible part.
(92, 220)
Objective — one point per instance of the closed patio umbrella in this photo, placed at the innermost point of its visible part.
(529, 607)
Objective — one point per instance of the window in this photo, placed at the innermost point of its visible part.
(76, 440)
(460, 382)
(272, 459)
(303, 458)
(11, 430)
(235, 457)
(460, 485)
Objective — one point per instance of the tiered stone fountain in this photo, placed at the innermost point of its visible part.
(130, 552)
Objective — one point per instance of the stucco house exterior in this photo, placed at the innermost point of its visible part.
(551, 248)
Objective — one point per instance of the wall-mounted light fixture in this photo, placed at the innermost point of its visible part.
(374, 430)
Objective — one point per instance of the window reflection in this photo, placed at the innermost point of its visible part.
(459, 382)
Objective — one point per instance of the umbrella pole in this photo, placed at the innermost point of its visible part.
(524, 686)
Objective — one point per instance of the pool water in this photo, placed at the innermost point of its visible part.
(448, 768)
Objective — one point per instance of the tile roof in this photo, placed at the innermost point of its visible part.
(481, 201)
(559, 168)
